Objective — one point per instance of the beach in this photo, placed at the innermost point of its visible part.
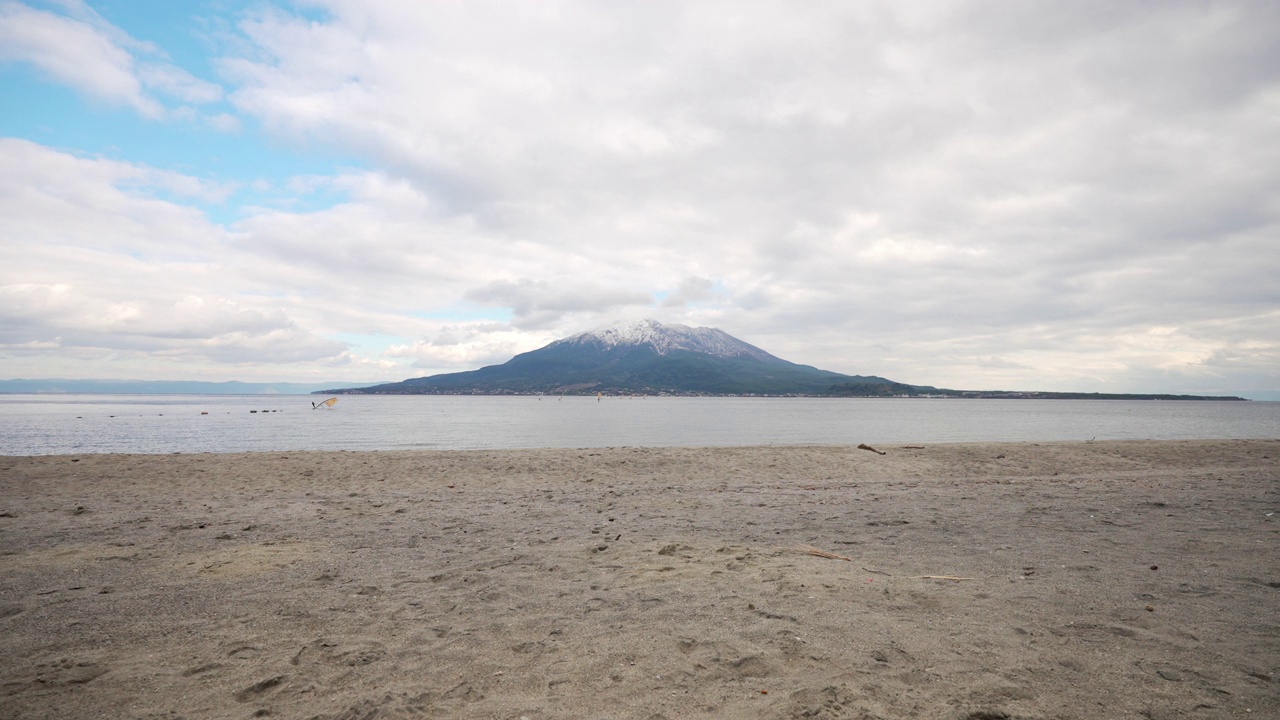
(971, 581)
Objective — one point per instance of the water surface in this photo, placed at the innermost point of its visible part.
(62, 424)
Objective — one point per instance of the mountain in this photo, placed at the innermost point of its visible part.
(648, 357)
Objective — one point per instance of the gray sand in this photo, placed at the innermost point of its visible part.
(1118, 579)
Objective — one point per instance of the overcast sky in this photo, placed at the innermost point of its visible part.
(1078, 196)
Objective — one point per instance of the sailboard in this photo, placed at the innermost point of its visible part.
(324, 403)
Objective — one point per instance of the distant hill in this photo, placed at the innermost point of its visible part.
(162, 387)
(646, 357)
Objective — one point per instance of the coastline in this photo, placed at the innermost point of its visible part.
(646, 582)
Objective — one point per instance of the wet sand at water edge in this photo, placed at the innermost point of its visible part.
(969, 581)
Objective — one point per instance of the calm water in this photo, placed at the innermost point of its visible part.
(59, 424)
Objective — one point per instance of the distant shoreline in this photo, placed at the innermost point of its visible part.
(975, 395)
(953, 395)
(54, 386)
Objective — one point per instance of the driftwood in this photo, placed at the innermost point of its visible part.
(941, 577)
(864, 446)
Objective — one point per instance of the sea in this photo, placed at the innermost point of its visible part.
(56, 424)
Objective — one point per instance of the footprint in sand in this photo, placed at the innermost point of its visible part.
(201, 669)
(69, 672)
(829, 702)
(259, 688)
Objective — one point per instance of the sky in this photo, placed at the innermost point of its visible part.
(1077, 196)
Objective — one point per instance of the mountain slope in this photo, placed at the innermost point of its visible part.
(645, 357)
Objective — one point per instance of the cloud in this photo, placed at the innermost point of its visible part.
(96, 265)
(85, 52)
(178, 83)
(1075, 197)
(534, 302)
(62, 200)
(224, 123)
(73, 53)
(463, 347)
(103, 259)
(526, 296)
(79, 316)
(691, 290)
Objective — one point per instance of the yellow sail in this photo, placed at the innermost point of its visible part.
(325, 404)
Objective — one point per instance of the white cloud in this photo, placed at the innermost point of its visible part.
(73, 53)
(95, 266)
(964, 194)
(224, 123)
(691, 290)
(85, 52)
(57, 199)
(176, 82)
(463, 347)
(87, 316)
(534, 302)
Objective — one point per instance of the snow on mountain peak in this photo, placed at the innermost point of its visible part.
(665, 338)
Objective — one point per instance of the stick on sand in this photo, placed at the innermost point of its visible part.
(811, 550)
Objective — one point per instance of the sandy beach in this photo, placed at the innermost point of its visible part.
(973, 581)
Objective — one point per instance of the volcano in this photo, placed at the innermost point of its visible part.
(651, 358)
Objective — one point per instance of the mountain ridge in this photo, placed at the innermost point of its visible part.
(645, 357)
(652, 358)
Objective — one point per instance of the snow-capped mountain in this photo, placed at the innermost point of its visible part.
(651, 358)
(647, 357)
(663, 339)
